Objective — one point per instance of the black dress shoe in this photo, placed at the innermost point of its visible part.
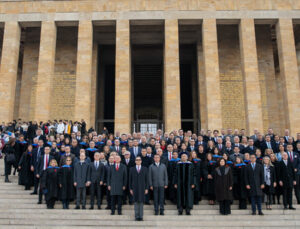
(162, 213)
(253, 213)
(292, 208)
(108, 207)
(99, 207)
(285, 208)
(33, 193)
(188, 213)
(92, 207)
(77, 207)
(180, 213)
(260, 213)
(83, 207)
(119, 213)
(39, 202)
(112, 213)
(155, 213)
(140, 219)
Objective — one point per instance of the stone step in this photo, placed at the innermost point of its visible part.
(139, 225)
(158, 223)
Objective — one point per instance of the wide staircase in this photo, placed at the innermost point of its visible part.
(19, 209)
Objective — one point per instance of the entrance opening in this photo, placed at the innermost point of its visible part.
(147, 76)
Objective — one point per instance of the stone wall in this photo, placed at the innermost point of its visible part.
(231, 78)
(64, 79)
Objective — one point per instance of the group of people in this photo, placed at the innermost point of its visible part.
(181, 167)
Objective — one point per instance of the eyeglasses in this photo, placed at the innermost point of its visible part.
(138, 159)
(68, 160)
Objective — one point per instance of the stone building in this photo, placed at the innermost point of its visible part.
(147, 64)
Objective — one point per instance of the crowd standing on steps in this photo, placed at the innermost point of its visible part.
(63, 161)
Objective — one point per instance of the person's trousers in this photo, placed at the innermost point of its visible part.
(50, 203)
(159, 198)
(225, 207)
(297, 188)
(256, 201)
(287, 196)
(242, 204)
(66, 203)
(108, 198)
(95, 188)
(138, 210)
(116, 199)
(36, 182)
(80, 195)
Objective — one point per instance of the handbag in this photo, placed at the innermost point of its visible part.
(11, 158)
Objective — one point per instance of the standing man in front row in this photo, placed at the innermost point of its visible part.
(138, 185)
(81, 180)
(116, 184)
(158, 182)
(254, 179)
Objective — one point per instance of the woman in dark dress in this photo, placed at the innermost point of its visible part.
(270, 182)
(198, 169)
(66, 181)
(26, 176)
(10, 157)
(50, 184)
(278, 188)
(223, 186)
(239, 186)
(210, 166)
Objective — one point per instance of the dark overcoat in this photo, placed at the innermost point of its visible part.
(138, 183)
(222, 183)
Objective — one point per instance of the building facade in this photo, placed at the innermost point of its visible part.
(145, 64)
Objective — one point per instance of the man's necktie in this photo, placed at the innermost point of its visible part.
(117, 167)
(46, 162)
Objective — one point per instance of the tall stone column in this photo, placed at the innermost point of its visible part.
(289, 73)
(123, 78)
(45, 71)
(9, 69)
(254, 118)
(172, 111)
(211, 72)
(84, 72)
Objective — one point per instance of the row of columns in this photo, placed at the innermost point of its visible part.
(172, 112)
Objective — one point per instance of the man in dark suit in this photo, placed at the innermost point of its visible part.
(287, 179)
(254, 180)
(97, 178)
(117, 147)
(267, 144)
(107, 168)
(146, 160)
(236, 142)
(68, 153)
(43, 164)
(40, 136)
(135, 150)
(219, 144)
(81, 180)
(129, 162)
(36, 154)
(228, 148)
(138, 184)
(116, 184)
(192, 146)
(75, 148)
(250, 148)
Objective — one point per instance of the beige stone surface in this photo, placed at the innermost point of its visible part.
(84, 72)
(172, 112)
(9, 69)
(212, 76)
(251, 78)
(289, 73)
(45, 71)
(123, 78)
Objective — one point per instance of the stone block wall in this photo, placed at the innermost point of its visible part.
(231, 78)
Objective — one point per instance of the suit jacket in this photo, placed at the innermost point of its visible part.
(264, 146)
(254, 178)
(81, 174)
(131, 150)
(35, 158)
(96, 175)
(118, 151)
(158, 175)
(295, 161)
(249, 150)
(117, 179)
(138, 182)
(41, 164)
(286, 174)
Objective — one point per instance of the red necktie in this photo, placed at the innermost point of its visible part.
(117, 167)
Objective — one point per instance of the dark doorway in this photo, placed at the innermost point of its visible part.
(188, 87)
(106, 88)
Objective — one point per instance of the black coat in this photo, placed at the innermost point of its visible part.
(208, 184)
(26, 176)
(146, 161)
(222, 183)
(138, 183)
(286, 174)
(271, 189)
(117, 179)
(66, 180)
(239, 186)
(50, 182)
(185, 193)
(199, 174)
(97, 175)
(254, 178)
